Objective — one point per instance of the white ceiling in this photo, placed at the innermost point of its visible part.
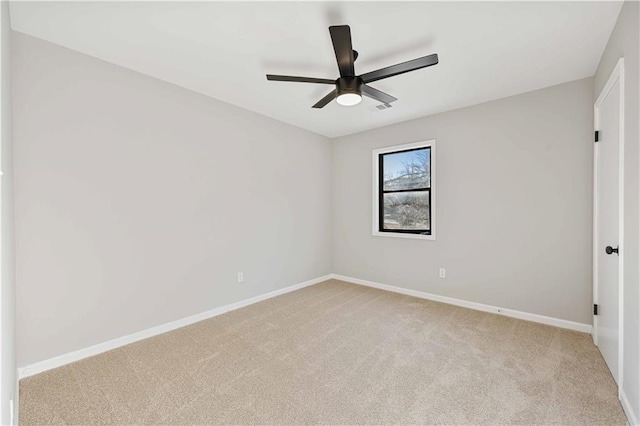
(224, 49)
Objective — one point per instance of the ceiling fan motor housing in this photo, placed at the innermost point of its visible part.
(349, 85)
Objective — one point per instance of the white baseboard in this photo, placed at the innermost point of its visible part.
(632, 417)
(70, 357)
(585, 328)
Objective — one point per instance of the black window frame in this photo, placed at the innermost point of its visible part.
(379, 192)
(382, 192)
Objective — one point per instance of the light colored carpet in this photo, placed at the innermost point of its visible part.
(337, 353)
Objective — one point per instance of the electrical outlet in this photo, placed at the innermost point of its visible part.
(443, 272)
(240, 277)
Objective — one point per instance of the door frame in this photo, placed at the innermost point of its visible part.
(616, 75)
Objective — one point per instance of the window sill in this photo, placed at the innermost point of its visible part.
(401, 235)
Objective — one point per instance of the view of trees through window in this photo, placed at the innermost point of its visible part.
(406, 188)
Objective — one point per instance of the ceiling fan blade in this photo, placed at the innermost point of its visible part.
(377, 94)
(416, 64)
(322, 102)
(341, 38)
(273, 77)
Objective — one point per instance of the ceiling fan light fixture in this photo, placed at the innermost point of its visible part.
(349, 99)
(349, 91)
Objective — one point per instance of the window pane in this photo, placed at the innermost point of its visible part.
(406, 210)
(407, 169)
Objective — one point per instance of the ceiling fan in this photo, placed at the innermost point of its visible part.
(350, 87)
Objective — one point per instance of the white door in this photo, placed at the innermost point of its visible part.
(608, 235)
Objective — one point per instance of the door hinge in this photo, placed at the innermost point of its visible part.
(597, 137)
(595, 309)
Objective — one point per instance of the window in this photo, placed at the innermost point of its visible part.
(404, 191)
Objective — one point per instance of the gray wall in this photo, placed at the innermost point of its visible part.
(514, 204)
(137, 202)
(625, 42)
(8, 385)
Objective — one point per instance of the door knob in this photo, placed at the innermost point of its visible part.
(610, 250)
